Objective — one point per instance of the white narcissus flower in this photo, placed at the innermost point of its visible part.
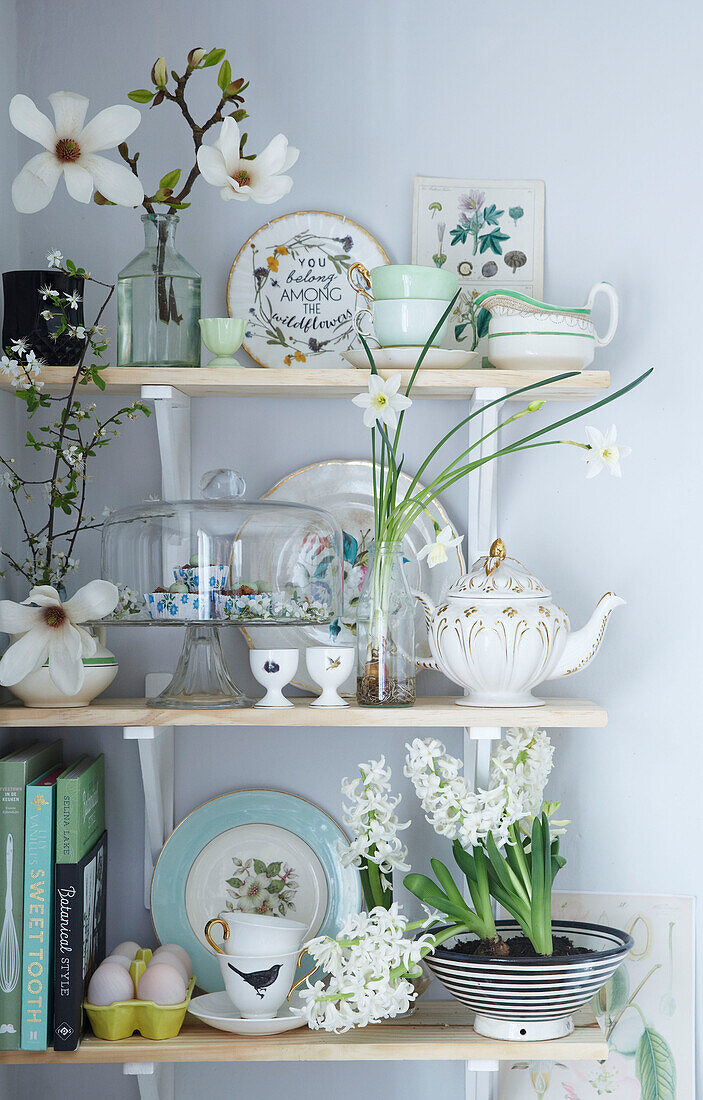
(260, 179)
(50, 630)
(436, 552)
(604, 452)
(382, 402)
(70, 151)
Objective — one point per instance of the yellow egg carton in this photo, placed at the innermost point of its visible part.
(122, 1018)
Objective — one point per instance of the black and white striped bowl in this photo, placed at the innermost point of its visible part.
(531, 999)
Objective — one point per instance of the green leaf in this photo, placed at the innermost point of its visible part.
(275, 887)
(235, 882)
(179, 205)
(212, 58)
(224, 76)
(460, 234)
(492, 240)
(274, 868)
(428, 891)
(482, 323)
(491, 215)
(445, 880)
(170, 179)
(141, 95)
(259, 867)
(655, 1067)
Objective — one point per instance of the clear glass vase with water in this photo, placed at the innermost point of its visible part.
(158, 302)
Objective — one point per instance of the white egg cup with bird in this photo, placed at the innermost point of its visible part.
(330, 666)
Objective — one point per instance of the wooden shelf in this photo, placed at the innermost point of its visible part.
(276, 382)
(427, 712)
(439, 1031)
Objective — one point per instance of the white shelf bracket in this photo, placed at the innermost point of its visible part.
(172, 410)
(157, 763)
(154, 1080)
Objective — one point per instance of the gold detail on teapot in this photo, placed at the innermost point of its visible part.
(496, 556)
(544, 611)
(510, 612)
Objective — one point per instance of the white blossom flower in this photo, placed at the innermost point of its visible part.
(19, 346)
(73, 299)
(260, 179)
(382, 401)
(519, 770)
(436, 552)
(48, 293)
(73, 456)
(604, 453)
(50, 631)
(369, 966)
(11, 367)
(47, 314)
(79, 331)
(54, 258)
(371, 817)
(70, 151)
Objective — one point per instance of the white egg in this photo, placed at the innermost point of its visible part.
(176, 952)
(127, 947)
(162, 984)
(110, 983)
(170, 959)
(121, 959)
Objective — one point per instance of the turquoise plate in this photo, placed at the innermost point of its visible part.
(297, 873)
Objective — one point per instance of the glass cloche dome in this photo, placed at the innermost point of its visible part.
(220, 561)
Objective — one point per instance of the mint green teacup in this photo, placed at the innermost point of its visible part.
(223, 336)
(394, 281)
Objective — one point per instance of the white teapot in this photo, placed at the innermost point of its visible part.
(498, 634)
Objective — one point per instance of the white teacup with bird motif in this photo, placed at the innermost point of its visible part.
(255, 934)
(257, 985)
(330, 666)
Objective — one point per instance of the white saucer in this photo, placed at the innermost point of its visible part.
(217, 1010)
(406, 358)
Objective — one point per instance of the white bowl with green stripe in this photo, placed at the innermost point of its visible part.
(524, 333)
(39, 690)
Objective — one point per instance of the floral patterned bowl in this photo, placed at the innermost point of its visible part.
(279, 606)
(211, 576)
(176, 605)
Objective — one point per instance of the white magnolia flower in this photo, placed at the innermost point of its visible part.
(370, 816)
(260, 179)
(49, 631)
(54, 258)
(368, 966)
(436, 552)
(519, 770)
(382, 401)
(70, 151)
(604, 452)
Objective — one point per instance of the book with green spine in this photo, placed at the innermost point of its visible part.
(37, 938)
(16, 771)
(80, 808)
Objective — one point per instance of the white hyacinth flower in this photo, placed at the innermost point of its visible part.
(604, 452)
(70, 150)
(436, 552)
(382, 401)
(50, 630)
(370, 816)
(261, 179)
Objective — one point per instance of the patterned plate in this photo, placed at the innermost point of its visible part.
(252, 851)
(289, 281)
(345, 488)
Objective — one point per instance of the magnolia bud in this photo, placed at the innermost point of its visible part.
(195, 57)
(159, 74)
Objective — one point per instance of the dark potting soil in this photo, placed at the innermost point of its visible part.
(516, 947)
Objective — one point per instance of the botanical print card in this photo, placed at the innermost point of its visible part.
(490, 232)
(646, 1010)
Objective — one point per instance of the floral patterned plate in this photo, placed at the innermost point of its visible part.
(345, 488)
(252, 851)
(289, 281)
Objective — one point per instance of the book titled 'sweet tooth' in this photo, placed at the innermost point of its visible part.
(16, 771)
(37, 940)
(80, 808)
(79, 938)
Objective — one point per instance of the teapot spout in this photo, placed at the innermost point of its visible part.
(582, 645)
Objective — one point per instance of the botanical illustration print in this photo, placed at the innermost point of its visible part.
(260, 887)
(646, 1009)
(303, 272)
(495, 238)
(356, 564)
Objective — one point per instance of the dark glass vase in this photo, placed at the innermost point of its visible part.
(22, 319)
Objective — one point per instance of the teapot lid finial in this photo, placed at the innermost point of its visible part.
(496, 556)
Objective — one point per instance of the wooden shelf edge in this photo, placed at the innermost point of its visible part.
(321, 382)
(438, 1031)
(428, 712)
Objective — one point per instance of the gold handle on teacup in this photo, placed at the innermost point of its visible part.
(304, 977)
(360, 280)
(225, 933)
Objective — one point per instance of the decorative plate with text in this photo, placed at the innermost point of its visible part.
(289, 281)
